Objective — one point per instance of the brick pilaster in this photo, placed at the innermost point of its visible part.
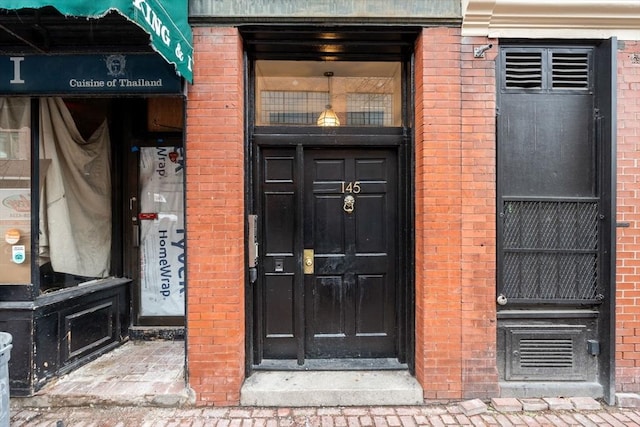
(215, 218)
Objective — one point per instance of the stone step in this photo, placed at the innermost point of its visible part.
(328, 388)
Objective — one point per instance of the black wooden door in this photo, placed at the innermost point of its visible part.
(327, 285)
(349, 223)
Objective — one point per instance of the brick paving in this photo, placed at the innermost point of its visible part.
(409, 416)
(139, 385)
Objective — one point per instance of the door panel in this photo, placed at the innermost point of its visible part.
(348, 306)
(351, 298)
(276, 307)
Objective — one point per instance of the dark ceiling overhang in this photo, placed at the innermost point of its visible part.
(329, 43)
(47, 31)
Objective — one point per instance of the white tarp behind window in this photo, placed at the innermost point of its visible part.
(162, 242)
(75, 209)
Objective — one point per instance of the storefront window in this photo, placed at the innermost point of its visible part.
(74, 188)
(75, 195)
(15, 191)
(311, 93)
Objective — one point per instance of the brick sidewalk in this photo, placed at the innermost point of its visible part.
(428, 415)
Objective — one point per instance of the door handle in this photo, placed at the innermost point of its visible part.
(136, 236)
(308, 261)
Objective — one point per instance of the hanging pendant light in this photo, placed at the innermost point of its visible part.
(328, 117)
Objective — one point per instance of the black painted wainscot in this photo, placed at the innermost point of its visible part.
(58, 332)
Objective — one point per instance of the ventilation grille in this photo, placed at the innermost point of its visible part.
(539, 350)
(570, 70)
(547, 70)
(546, 353)
(523, 70)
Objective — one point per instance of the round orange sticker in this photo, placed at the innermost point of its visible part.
(12, 236)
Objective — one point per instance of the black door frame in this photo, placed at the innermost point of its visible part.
(314, 137)
(133, 136)
(362, 43)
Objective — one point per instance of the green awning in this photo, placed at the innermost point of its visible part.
(166, 21)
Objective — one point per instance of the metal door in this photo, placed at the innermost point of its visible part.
(328, 272)
(555, 219)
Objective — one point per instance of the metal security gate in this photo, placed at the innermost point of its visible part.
(555, 221)
(550, 251)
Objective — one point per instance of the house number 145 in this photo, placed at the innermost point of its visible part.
(350, 187)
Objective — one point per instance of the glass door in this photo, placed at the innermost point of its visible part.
(161, 231)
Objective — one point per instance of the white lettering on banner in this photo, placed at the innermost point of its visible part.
(155, 24)
(162, 241)
(165, 267)
(162, 161)
(178, 52)
(180, 244)
(90, 83)
(140, 83)
(86, 83)
(17, 79)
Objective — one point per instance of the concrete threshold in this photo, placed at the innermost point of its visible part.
(331, 388)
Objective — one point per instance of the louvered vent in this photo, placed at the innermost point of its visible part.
(536, 350)
(546, 353)
(523, 70)
(570, 70)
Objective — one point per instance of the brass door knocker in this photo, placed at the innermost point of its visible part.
(349, 202)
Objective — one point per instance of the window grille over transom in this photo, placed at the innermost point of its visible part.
(292, 108)
(369, 109)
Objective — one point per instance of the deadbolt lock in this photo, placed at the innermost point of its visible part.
(308, 261)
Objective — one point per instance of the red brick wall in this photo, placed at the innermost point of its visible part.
(478, 211)
(215, 212)
(628, 208)
(455, 217)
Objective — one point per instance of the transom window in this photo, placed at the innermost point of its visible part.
(301, 93)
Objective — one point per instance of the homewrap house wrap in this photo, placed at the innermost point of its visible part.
(442, 190)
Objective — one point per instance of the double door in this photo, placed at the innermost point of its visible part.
(327, 283)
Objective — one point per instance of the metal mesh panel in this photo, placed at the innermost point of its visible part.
(550, 250)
